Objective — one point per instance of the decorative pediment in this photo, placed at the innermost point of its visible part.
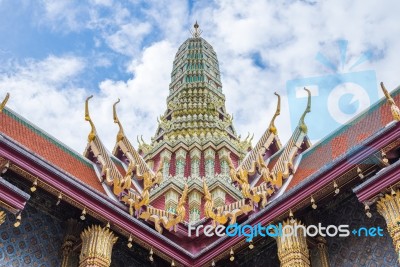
(195, 153)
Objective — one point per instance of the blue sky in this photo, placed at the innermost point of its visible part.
(53, 54)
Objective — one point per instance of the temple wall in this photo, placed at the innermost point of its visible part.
(263, 254)
(122, 257)
(36, 242)
(353, 250)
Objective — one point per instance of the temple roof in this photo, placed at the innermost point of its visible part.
(49, 148)
(344, 139)
(196, 158)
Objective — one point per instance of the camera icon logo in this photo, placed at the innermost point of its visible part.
(336, 98)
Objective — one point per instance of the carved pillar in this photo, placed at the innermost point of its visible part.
(70, 257)
(194, 206)
(323, 251)
(180, 162)
(293, 250)
(195, 155)
(166, 158)
(209, 156)
(389, 207)
(224, 161)
(97, 244)
(171, 200)
(218, 196)
(2, 217)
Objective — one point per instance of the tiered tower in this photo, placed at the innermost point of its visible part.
(195, 138)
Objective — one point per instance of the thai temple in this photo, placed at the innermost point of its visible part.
(131, 205)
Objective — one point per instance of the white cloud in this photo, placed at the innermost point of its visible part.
(128, 38)
(102, 2)
(286, 36)
(48, 89)
(63, 15)
(143, 98)
(41, 91)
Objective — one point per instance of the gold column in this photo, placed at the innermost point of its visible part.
(293, 250)
(97, 244)
(389, 207)
(2, 217)
(323, 251)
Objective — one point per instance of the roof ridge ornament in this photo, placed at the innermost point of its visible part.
(92, 134)
(393, 107)
(196, 32)
(272, 127)
(302, 125)
(121, 134)
(4, 102)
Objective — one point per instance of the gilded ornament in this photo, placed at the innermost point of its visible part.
(4, 102)
(167, 220)
(389, 207)
(393, 107)
(302, 125)
(92, 134)
(97, 244)
(293, 250)
(2, 217)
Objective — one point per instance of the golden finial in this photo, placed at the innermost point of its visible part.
(4, 102)
(197, 32)
(272, 127)
(395, 109)
(92, 134)
(302, 125)
(247, 137)
(251, 138)
(121, 134)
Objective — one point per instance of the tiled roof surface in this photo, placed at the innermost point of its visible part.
(119, 165)
(344, 139)
(48, 148)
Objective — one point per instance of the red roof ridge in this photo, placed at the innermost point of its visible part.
(48, 148)
(344, 138)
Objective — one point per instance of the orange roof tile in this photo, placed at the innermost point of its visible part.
(47, 147)
(119, 165)
(345, 138)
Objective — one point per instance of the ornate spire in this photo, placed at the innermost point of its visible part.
(196, 105)
(196, 32)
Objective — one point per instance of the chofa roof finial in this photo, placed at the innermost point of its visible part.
(303, 126)
(272, 127)
(120, 134)
(393, 107)
(92, 134)
(4, 102)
